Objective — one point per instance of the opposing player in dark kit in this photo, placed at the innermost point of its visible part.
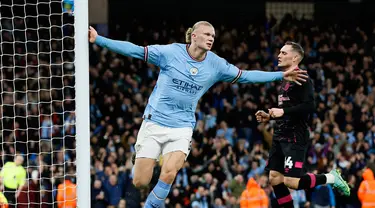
(290, 140)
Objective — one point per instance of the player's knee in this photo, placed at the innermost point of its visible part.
(276, 178)
(171, 167)
(169, 172)
(168, 176)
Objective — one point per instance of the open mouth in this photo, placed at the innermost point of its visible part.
(209, 44)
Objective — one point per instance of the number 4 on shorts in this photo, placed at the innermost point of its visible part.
(288, 162)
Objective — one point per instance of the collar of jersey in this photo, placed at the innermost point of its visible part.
(187, 50)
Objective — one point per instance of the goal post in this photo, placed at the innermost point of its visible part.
(82, 102)
(44, 102)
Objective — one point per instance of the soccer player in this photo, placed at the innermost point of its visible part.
(187, 71)
(290, 140)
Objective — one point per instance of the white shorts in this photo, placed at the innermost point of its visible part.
(154, 140)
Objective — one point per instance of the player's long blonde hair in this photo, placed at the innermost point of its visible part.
(190, 30)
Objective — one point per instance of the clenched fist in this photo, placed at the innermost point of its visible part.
(262, 116)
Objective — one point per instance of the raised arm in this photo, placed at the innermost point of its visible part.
(230, 73)
(121, 47)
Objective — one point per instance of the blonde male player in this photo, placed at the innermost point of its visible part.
(187, 71)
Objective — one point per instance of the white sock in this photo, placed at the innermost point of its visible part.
(330, 178)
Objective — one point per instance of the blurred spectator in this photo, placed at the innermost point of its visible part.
(218, 203)
(195, 204)
(253, 196)
(237, 185)
(323, 197)
(114, 187)
(299, 198)
(30, 193)
(66, 194)
(201, 198)
(122, 204)
(366, 192)
(98, 195)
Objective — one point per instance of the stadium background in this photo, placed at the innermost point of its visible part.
(229, 145)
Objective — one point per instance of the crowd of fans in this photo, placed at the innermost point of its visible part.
(229, 148)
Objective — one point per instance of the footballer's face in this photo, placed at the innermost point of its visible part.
(204, 37)
(287, 57)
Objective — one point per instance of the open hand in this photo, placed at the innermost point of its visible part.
(296, 76)
(92, 34)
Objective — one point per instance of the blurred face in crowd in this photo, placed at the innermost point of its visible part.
(176, 192)
(122, 204)
(201, 190)
(232, 200)
(218, 202)
(254, 165)
(18, 160)
(239, 179)
(97, 184)
(208, 178)
(108, 170)
(288, 57)
(203, 36)
(211, 167)
(263, 180)
(113, 180)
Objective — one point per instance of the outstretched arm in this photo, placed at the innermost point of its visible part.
(230, 73)
(258, 76)
(121, 47)
(153, 54)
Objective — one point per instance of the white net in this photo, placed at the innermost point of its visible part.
(37, 99)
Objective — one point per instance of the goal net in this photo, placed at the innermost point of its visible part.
(38, 104)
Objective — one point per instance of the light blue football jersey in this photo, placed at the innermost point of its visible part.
(183, 80)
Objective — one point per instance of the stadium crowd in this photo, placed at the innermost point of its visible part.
(230, 149)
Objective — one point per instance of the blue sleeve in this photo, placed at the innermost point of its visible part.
(230, 73)
(157, 54)
(331, 196)
(153, 54)
(263, 163)
(121, 47)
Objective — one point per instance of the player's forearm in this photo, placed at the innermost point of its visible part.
(121, 47)
(303, 108)
(259, 76)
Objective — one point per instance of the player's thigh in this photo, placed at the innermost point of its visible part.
(147, 145)
(177, 149)
(148, 150)
(294, 161)
(275, 164)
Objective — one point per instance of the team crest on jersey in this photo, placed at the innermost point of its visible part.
(193, 71)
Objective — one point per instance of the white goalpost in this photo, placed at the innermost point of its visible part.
(82, 102)
(44, 103)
